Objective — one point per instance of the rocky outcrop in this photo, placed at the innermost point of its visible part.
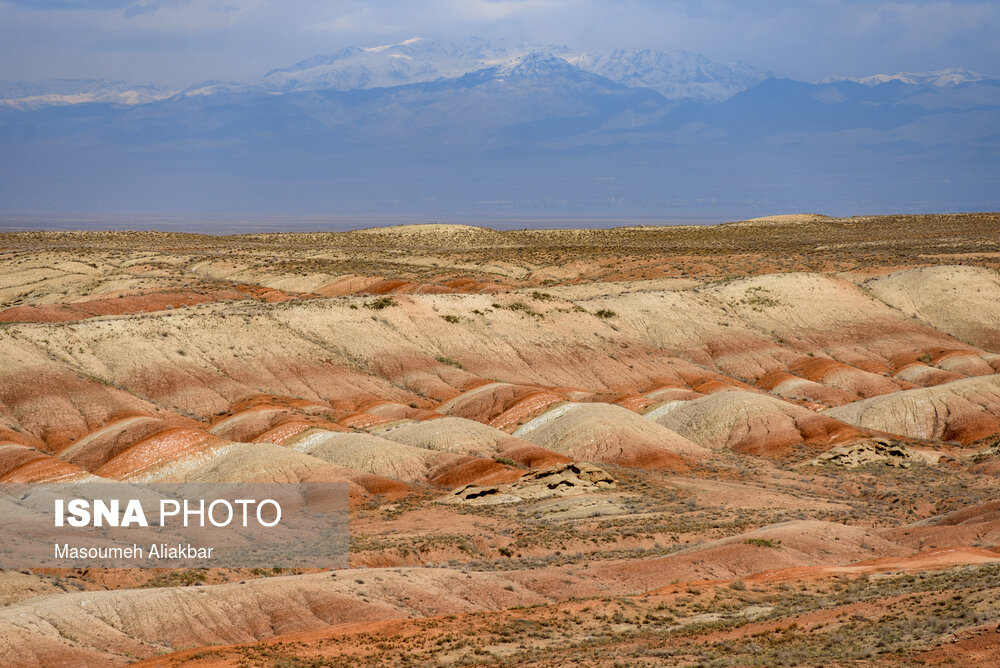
(560, 480)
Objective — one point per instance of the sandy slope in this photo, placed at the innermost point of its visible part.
(137, 623)
(963, 301)
(391, 459)
(609, 434)
(964, 410)
(749, 422)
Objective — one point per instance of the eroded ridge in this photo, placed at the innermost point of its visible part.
(651, 436)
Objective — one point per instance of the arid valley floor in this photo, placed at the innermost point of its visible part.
(774, 442)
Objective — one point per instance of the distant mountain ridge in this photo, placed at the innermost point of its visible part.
(446, 127)
(61, 92)
(676, 75)
(673, 74)
(951, 76)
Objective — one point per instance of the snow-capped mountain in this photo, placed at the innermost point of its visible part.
(415, 60)
(951, 76)
(673, 74)
(61, 92)
(463, 126)
(676, 75)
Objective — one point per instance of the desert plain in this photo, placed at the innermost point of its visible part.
(770, 442)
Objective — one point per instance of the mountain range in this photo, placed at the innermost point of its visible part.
(673, 74)
(473, 127)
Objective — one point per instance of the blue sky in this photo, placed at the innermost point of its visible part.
(181, 42)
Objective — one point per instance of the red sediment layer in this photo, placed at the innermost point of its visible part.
(19, 464)
(61, 407)
(928, 375)
(276, 401)
(810, 392)
(362, 420)
(472, 470)
(707, 382)
(530, 455)
(524, 409)
(837, 374)
(636, 403)
(249, 424)
(813, 430)
(98, 446)
(713, 386)
(137, 303)
(772, 380)
(165, 446)
(286, 430)
(651, 459)
(388, 286)
(381, 486)
(391, 409)
(19, 438)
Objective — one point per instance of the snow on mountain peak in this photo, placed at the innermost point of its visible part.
(675, 74)
(951, 76)
(63, 92)
(385, 47)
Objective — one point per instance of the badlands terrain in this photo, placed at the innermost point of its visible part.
(772, 442)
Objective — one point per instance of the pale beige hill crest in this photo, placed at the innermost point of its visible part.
(782, 219)
(606, 433)
(442, 229)
(961, 300)
(964, 410)
(750, 422)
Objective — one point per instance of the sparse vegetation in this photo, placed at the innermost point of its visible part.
(449, 361)
(518, 307)
(507, 461)
(764, 542)
(183, 578)
(381, 303)
(759, 298)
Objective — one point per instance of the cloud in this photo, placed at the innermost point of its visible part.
(42, 5)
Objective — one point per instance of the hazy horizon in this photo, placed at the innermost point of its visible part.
(229, 224)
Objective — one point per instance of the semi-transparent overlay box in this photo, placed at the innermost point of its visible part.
(166, 525)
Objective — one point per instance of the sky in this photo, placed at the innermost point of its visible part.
(182, 42)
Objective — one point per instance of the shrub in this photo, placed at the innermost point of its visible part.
(380, 303)
(449, 361)
(764, 542)
(507, 461)
(518, 306)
